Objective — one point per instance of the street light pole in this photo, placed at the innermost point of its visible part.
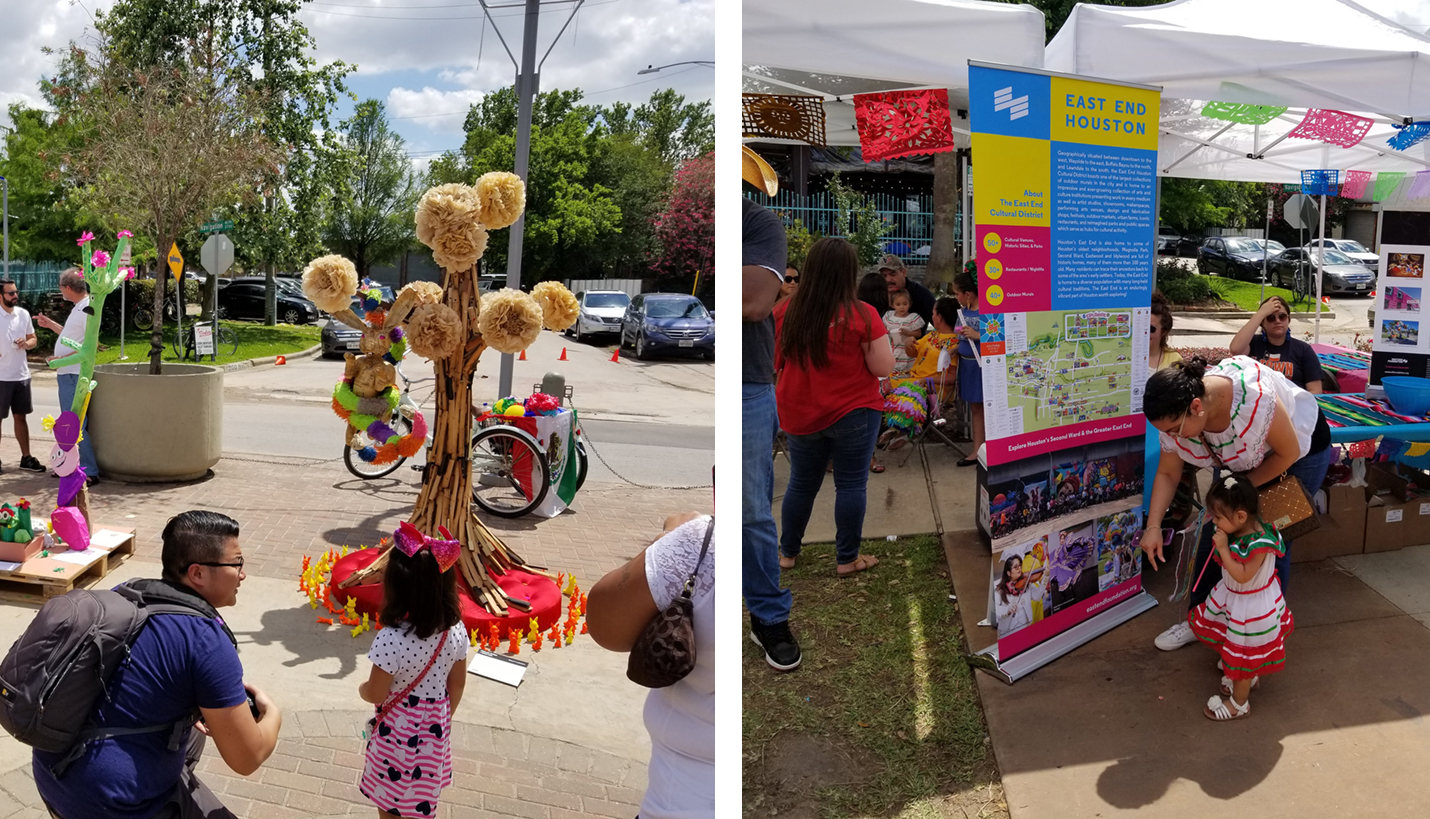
(5, 207)
(526, 83)
(651, 69)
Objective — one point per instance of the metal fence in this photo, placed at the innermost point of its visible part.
(37, 277)
(909, 216)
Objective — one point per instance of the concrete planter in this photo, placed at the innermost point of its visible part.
(156, 428)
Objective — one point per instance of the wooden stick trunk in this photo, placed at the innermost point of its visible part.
(446, 496)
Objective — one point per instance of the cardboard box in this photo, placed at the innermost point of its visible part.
(1342, 530)
(20, 552)
(1398, 515)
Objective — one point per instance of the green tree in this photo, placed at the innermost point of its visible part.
(161, 147)
(283, 228)
(44, 219)
(674, 129)
(370, 217)
(858, 220)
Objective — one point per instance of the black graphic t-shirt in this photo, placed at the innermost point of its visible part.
(1293, 358)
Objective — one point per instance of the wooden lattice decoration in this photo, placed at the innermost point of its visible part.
(783, 116)
(903, 123)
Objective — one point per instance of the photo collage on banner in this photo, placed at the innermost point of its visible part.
(1064, 224)
(1399, 345)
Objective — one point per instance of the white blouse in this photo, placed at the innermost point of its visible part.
(1256, 392)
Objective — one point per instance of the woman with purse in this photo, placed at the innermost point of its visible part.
(660, 607)
(1245, 417)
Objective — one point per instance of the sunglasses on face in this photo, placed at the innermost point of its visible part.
(1278, 317)
(791, 279)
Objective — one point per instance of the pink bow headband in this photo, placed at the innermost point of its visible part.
(411, 541)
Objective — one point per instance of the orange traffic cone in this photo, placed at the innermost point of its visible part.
(281, 360)
(563, 354)
(616, 356)
(523, 356)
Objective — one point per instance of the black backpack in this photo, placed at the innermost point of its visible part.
(53, 677)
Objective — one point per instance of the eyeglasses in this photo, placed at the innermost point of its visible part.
(1278, 317)
(238, 565)
(1182, 426)
(1156, 329)
(791, 279)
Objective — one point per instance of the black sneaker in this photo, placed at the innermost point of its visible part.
(31, 463)
(781, 650)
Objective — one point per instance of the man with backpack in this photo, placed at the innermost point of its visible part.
(136, 754)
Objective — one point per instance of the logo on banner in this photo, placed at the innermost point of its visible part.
(1017, 107)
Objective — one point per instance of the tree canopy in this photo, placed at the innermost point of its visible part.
(369, 216)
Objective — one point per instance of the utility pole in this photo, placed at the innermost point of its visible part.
(270, 290)
(528, 80)
(5, 206)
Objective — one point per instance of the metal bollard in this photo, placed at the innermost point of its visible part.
(554, 384)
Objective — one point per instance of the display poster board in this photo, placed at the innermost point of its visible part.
(203, 339)
(1064, 224)
(1399, 344)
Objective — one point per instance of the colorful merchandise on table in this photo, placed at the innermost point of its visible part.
(15, 525)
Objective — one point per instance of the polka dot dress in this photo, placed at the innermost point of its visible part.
(409, 755)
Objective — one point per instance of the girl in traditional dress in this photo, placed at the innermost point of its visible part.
(1245, 617)
(1015, 600)
(419, 670)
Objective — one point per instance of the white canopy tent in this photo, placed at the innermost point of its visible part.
(1333, 54)
(838, 48)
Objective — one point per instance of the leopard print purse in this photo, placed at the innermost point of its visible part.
(665, 650)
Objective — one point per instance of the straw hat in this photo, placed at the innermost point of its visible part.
(757, 172)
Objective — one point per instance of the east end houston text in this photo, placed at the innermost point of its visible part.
(1124, 107)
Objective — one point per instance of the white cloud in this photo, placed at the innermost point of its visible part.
(438, 110)
(31, 25)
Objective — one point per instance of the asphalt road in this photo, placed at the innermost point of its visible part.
(652, 422)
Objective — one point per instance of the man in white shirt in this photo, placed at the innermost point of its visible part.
(75, 290)
(17, 336)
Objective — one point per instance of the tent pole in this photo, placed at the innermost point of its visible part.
(964, 197)
(1265, 249)
(1320, 267)
(1157, 232)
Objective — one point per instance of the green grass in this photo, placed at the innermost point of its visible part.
(254, 341)
(1247, 295)
(883, 711)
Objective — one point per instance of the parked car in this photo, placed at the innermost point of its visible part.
(1172, 243)
(1342, 273)
(243, 298)
(1236, 257)
(1351, 248)
(601, 312)
(338, 338)
(668, 322)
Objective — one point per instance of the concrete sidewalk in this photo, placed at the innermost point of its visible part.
(570, 741)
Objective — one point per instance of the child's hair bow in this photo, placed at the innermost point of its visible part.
(411, 541)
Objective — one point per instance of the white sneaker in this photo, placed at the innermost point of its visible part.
(1180, 634)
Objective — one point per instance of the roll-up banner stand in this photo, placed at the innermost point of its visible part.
(1064, 230)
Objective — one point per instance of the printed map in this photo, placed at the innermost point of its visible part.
(1077, 367)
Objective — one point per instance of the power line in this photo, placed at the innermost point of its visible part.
(591, 94)
(404, 19)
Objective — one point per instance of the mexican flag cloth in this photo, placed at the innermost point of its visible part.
(556, 437)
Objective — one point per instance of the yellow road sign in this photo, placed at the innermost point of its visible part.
(176, 263)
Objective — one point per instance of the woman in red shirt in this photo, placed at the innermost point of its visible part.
(830, 352)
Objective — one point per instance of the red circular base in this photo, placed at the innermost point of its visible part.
(541, 591)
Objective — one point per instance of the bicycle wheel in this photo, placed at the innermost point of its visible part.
(582, 464)
(367, 471)
(143, 319)
(180, 352)
(510, 474)
(226, 339)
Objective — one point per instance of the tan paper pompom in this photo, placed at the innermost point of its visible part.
(426, 292)
(458, 249)
(446, 208)
(434, 331)
(559, 308)
(509, 320)
(502, 196)
(330, 282)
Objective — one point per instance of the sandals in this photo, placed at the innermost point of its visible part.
(861, 563)
(889, 435)
(1226, 683)
(875, 467)
(1217, 709)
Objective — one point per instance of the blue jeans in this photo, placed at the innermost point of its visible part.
(850, 442)
(768, 603)
(68, 383)
(1311, 472)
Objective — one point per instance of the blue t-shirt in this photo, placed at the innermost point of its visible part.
(178, 663)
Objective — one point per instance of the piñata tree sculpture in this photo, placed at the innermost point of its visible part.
(452, 325)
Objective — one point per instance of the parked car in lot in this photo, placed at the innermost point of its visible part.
(666, 323)
(243, 298)
(338, 338)
(1342, 273)
(601, 312)
(1236, 257)
(1172, 243)
(1357, 251)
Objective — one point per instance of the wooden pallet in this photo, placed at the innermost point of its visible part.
(40, 578)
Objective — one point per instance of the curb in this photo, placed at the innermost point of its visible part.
(1243, 315)
(271, 360)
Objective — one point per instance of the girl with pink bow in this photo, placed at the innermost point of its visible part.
(419, 670)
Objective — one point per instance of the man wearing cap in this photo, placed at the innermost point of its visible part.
(896, 276)
(763, 258)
